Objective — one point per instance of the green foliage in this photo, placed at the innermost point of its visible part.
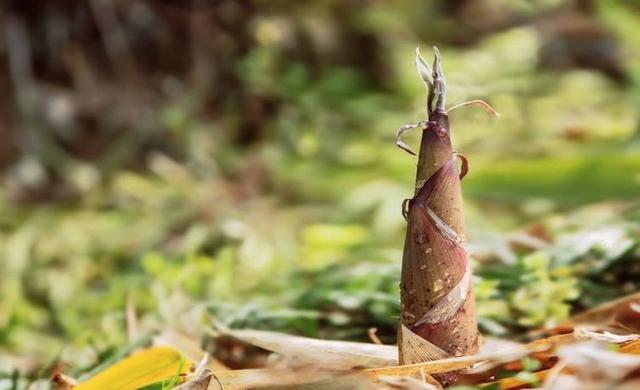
(323, 244)
(566, 180)
(544, 293)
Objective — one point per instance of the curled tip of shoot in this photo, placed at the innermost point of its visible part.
(404, 129)
(484, 105)
(464, 167)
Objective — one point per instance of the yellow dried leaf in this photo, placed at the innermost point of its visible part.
(138, 370)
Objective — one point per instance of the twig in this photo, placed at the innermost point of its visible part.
(202, 364)
(484, 105)
(131, 319)
(374, 337)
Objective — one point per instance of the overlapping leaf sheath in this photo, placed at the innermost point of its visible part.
(437, 312)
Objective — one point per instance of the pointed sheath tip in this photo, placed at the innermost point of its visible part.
(439, 81)
(418, 54)
(436, 61)
(424, 71)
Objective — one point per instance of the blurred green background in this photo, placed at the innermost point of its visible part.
(235, 160)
